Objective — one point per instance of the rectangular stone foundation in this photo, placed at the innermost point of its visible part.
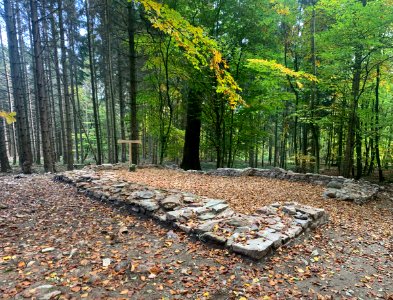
(212, 220)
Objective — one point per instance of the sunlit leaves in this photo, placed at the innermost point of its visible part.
(9, 117)
(200, 50)
(262, 65)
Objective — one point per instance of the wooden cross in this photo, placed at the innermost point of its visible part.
(129, 142)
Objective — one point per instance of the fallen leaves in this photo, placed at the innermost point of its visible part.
(151, 262)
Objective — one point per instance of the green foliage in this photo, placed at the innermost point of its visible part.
(199, 49)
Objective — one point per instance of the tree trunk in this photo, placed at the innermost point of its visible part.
(376, 111)
(12, 127)
(353, 133)
(111, 104)
(230, 146)
(93, 84)
(122, 107)
(60, 130)
(49, 79)
(340, 141)
(25, 155)
(276, 149)
(32, 105)
(314, 98)
(42, 96)
(133, 82)
(80, 120)
(347, 163)
(4, 163)
(67, 100)
(193, 130)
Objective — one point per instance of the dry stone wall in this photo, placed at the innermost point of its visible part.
(211, 220)
(337, 187)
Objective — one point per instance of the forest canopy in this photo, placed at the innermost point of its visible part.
(302, 85)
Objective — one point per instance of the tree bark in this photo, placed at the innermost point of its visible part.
(122, 107)
(376, 111)
(348, 163)
(4, 162)
(31, 102)
(193, 130)
(60, 130)
(42, 96)
(314, 98)
(25, 155)
(133, 82)
(67, 102)
(111, 104)
(11, 127)
(93, 83)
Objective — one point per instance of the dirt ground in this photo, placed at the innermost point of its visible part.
(57, 244)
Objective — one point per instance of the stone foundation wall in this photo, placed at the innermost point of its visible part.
(337, 187)
(279, 174)
(211, 220)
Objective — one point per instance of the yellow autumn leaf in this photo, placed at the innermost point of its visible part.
(263, 64)
(299, 84)
(200, 50)
(9, 117)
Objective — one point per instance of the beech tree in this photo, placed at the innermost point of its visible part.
(296, 84)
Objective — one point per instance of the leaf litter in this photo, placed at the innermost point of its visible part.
(98, 252)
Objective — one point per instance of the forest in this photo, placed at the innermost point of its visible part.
(298, 84)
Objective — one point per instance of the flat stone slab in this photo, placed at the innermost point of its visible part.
(256, 248)
(212, 220)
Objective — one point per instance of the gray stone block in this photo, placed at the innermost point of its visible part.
(255, 248)
(149, 205)
(212, 237)
(334, 184)
(171, 201)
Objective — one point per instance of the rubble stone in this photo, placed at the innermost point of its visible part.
(212, 220)
(171, 201)
(256, 248)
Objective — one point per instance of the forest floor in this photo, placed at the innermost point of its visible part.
(56, 243)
